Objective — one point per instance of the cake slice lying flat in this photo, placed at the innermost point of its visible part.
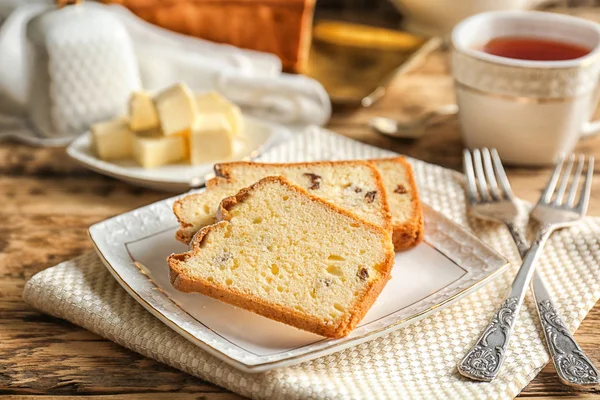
(403, 200)
(355, 186)
(283, 253)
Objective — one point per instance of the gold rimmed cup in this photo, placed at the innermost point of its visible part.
(531, 111)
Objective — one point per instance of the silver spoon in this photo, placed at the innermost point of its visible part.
(414, 129)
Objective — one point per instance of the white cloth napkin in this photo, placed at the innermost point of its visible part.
(249, 78)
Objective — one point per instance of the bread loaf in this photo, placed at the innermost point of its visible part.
(282, 27)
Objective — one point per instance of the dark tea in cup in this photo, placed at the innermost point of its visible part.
(534, 49)
(529, 92)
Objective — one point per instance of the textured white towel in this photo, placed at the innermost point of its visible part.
(416, 362)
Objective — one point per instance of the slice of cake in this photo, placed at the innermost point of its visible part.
(355, 186)
(398, 181)
(403, 200)
(196, 211)
(284, 253)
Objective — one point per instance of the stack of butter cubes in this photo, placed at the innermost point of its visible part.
(173, 126)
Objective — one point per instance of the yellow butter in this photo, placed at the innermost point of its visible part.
(112, 139)
(176, 109)
(154, 151)
(213, 103)
(142, 113)
(210, 139)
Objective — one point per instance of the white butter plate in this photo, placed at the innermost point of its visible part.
(259, 135)
(450, 263)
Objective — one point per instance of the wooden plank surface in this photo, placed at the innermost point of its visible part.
(48, 201)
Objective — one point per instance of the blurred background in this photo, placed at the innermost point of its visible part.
(351, 49)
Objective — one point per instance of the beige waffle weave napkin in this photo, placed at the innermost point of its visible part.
(418, 361)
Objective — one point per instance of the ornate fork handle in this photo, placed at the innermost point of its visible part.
(484, 360)
(572, 365)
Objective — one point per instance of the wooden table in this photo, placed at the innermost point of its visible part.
(48, 202)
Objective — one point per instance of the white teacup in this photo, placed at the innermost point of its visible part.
(531, 111)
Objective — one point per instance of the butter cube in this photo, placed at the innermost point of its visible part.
(154, 151)
(112, 139)
(176, 109)
(210, 139)
(142, 113)
(213, 103)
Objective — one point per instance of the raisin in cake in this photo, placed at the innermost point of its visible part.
(403, 200)
(355, 186)
(283, 253)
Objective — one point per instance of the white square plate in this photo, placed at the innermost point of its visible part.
(259, 135)
(134, 246)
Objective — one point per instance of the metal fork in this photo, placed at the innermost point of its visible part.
(490, 197)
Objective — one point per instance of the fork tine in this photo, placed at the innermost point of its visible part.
(564, 181)
(587, 188)
(549, 189)
(489, 173)
(575, 184)
(468, 169)
(481, 182)
(501, 176)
